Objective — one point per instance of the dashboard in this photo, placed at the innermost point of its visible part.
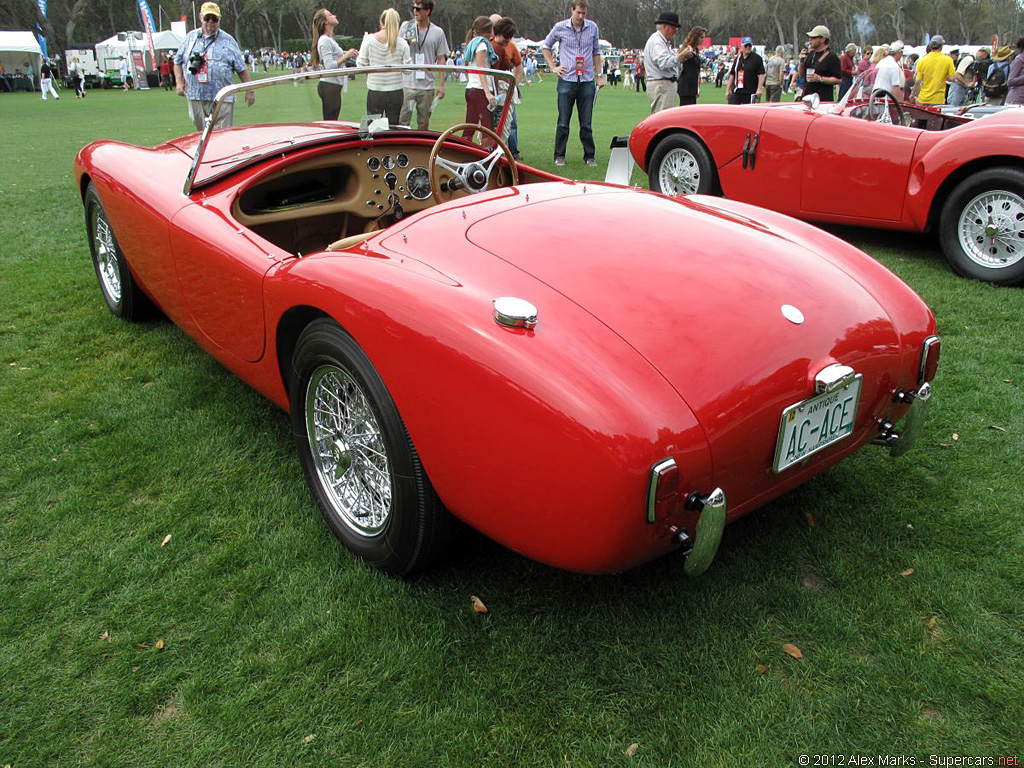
(367, 182)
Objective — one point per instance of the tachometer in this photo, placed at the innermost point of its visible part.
(418, 183)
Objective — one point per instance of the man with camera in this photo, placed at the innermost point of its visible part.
(211, 56)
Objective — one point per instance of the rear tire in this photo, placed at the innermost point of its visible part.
(681, 165)
(358, 458)
(981, 226)
(122, 294)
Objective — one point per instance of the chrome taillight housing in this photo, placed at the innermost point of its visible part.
(929, 359)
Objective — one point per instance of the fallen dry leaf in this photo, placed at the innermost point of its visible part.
(147, 384)
(996, 426)
(105, 636)
(167, 538)
(956, 435)
(478, 604)
(1005, 381)
(908, 572)
(761, 668)
(159, 645)
(810, 519)
(308, 739)
(932, 622)
(632, 748)
(793, 651)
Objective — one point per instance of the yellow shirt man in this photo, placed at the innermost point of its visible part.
(933, 72)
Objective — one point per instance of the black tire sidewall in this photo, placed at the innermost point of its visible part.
(991, 179)
(695, 148)
(401, 547)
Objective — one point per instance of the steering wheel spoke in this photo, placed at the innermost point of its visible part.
(474, 176)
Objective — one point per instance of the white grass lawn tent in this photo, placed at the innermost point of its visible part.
(113, 48)
(17, 48)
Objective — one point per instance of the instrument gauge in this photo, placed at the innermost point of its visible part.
(373, 164)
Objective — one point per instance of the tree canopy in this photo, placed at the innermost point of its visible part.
(626, 23)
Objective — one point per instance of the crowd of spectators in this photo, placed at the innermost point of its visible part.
(668, 74)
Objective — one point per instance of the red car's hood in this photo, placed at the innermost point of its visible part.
(698, 292)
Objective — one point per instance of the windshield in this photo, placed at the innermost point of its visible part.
(288, 111)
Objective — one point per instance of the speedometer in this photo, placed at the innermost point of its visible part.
(418, 183)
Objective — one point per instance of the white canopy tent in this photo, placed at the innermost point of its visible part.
(118, 46)
(17, 48)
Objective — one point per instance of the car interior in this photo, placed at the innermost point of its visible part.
(341, 197)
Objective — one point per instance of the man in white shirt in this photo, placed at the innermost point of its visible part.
(889, 73)
(962, 81)
(662, 62)
(427, 45)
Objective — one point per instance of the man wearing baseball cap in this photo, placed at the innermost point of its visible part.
(820, 69)
(746, 76)
(889, 72)
(662, 63)
(211, 56)
(933, 71)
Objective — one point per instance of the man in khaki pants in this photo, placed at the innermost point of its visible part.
(662, 63)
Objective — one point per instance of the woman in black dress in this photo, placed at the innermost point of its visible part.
(688, 84)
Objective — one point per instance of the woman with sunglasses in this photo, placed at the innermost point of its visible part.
(327, 54)
(384, 90)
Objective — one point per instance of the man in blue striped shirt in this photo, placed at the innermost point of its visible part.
(579, 59)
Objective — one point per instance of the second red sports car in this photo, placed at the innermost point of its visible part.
(871, 162)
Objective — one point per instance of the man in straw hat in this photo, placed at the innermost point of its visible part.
(994, 83)
(204, 64)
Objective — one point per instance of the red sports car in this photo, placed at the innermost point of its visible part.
(873, 162)
(458, 337)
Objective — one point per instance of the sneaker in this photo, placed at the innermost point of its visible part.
(559, 161)
(590, 161)
(516, 156)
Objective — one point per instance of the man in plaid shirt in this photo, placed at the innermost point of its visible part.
(579, 60)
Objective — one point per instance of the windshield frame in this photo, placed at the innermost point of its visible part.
(227, 91)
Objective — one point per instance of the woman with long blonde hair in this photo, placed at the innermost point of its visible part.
(327, 54)
(384, 95)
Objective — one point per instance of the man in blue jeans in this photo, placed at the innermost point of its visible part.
(579, 59)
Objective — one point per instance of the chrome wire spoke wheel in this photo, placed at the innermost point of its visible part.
(679, 173)
(991, 229)
(348, 451)
(107, 258)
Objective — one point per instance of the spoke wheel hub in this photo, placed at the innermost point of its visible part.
(348, 450)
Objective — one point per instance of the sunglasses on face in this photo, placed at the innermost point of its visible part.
(417, 9)
(212, 18)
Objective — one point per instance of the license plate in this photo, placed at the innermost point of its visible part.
(816, 423)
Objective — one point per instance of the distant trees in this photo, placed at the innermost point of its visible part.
(625, 23)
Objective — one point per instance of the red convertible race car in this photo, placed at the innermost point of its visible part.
(867, 160)
(459, 337)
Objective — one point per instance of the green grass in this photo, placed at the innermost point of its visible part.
(115, 436)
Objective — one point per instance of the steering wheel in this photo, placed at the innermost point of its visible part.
(888, 106)
(474, 176)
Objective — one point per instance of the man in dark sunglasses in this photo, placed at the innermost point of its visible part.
(427, 45)
(205, 63)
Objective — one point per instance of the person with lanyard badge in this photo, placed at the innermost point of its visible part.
(746, 78)
(821, 69)
(327, 54)
(211, 57)
(662, 62)
(428, 45)
(579, 60)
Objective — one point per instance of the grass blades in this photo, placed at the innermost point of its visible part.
(279, 648)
